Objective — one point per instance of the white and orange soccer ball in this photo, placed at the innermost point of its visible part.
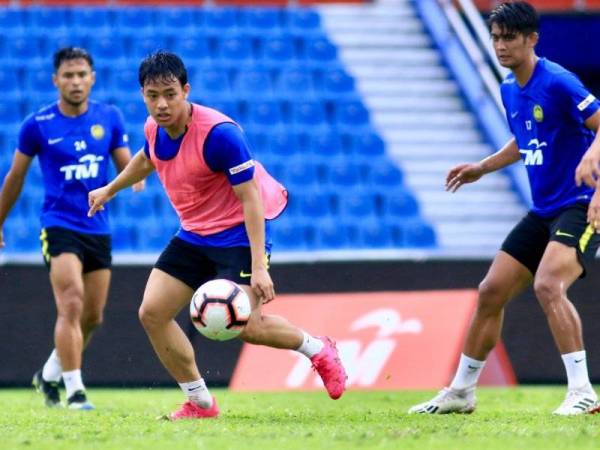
(220, 310)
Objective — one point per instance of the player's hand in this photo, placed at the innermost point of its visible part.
(97, 198)
(593, 214)
(262, 285)
(2, 244)
(588, 169)
(462, 174)
(139, 186)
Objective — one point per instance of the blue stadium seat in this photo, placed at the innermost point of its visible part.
(182, 20)
(304, 21)
(279, 49)
(193, 50)
(124, 232)
(334, 234)
(345, 174)
(293, 82)
(142, 46)
(22, 235)
(357, 204)
(91, 20)
(264, 114)
(10, 113)
(24, 49)
(319, 51)
(377, 234)
(367, 144)
(384, 173)
(308, 114)
(221, 20)
(254, 83)
(139, 19)
(228, 107)
(211, 84)
(285, 143)
(236, 48)
(52, 40)
(399, 204)
(260, 21)
(12, 21)
(312, 203)
(109, 47)
(288, 234)
(337, 84)
(10, 82)
(299, 174)
(44, 18)
(418, 234)
(133, 110)
(39, 79)
(124, 80)
(351, 114)
(326, 146)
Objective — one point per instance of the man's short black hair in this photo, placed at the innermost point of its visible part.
(515, 17)
(162, 66)
(70, 53)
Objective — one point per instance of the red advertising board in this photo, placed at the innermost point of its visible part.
(386, 340)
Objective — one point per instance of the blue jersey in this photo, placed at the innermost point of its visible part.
(547, 116)
(74, 154)
(225, 147)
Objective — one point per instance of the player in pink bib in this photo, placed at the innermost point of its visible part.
(224, 200)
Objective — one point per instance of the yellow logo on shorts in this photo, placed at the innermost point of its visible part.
(97, 131)
(538, 113)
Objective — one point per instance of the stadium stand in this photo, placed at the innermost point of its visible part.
(274, 69)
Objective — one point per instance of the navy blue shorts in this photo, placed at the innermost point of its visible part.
(195, 265)
(529, 238)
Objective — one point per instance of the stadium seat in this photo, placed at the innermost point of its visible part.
(125, 81)
(237, 48)
(140, 20)
(10, 113)
(211, 84)
(418, 234)
(124, 233)
(183, 20)
(399, 204)
(254, 83)
(384, 173)
(285, 144)
(56, 19)
(308, 114)
(193, 50)
(279, 49)
(313, 203)
(319, 50)
(228, 107)
(264, 114)
(367, 144)
(337, 84)
(109, 47)
(334, 234)
(295, 81)
(304, 21)
(326, 146)
(260, 21)
(289, 235)
(24, 49)
(221, 21)
(10, 82)
(142, 46)
(22, 235)
(351, 114)
(377, 234)
(133, 110)
(357, 204)
(91, 20)
(344, 174)
(12, 21)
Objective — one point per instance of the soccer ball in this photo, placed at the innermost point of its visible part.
(220, 309)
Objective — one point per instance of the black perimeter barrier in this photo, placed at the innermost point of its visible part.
(121, 355)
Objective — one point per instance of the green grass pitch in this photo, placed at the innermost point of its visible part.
(126, 420)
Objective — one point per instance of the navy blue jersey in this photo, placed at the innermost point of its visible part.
(74, 154)
(225, 148)
(547, 116)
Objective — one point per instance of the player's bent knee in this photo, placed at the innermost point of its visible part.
(547, 290)
(492, 296)
(253, 332)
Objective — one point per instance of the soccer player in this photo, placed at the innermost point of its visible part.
(554, 120)
(74, 139)
(224, 200)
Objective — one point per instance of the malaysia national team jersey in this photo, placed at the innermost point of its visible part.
(74, 155)
(547, 116)
(225, 148)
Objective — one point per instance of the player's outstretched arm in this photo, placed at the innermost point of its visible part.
(471, 172)
(121, 157)
(588, 169)
(138, 168)
(11, 188)
(254, 219)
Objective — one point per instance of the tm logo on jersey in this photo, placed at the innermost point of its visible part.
(88, 168)
(534, 157)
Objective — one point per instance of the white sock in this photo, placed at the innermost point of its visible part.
(577, 371)
(52, 370)
(197, 392)
(310, 345)
(467, 373)
(73, 381)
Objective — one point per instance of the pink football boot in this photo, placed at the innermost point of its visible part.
(329, 367)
